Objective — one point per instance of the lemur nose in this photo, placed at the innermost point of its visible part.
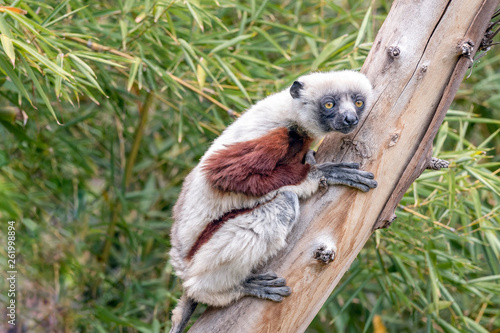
(351, 119)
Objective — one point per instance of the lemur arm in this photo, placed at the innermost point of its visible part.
(259, 166)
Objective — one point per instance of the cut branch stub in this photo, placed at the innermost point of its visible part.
(394, 51)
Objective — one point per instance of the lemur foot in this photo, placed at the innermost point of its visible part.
(266, 286)
(347, 174)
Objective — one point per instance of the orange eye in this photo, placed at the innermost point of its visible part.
(329, 105)
(359, 103)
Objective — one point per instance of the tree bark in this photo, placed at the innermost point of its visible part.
(416, 64)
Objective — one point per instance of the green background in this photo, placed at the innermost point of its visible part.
(92, 198)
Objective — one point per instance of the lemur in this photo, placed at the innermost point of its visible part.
(240, 202)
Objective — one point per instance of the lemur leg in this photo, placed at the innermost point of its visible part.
(220, 272)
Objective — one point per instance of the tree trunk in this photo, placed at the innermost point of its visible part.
(416, 64)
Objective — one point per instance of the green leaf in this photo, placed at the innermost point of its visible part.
(441, 137)
(433, 282)
(298, 31)
(133, 73)
(273, 42)
(39, 89)
(86, 71)
(438, 306)
(56, 69)
(65, 16)
(231, 42)
(362, 29)
(193, 13)
(328, 51)
(55, 11)
(124, 32)
(233, 77)
(4, 27)
(6, 67)
(58, 83)
(256, 14)
(490, 181)
(477, 328)
(8, 49)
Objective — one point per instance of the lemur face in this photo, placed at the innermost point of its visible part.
(332, 101)
(340, 112)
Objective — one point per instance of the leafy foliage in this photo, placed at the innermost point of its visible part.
(141, 88)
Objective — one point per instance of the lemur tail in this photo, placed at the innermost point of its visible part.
(181, 314)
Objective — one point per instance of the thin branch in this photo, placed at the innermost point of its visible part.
(100, 48)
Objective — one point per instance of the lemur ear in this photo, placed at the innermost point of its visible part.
(295, 89)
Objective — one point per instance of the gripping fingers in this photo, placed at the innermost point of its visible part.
(266, 286)
(264, 276)
(348, 174)
(356, 181)
(346, 168)
(350, 165)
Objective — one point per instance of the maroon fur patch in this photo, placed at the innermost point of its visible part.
(262, 165)
(213, 226)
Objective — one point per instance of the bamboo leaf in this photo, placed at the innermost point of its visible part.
(327, 52)
(475, 326)
(433, 282)
(4, 27)
(39, 89)
(362, 29)
(231, 42)
(133, 73)
(486, 179)
(201, 75)
(55, 11)
(256, 14)
(56, 69)
(58, 83)
(272, 41)
(86, 71)
(7, 69)
(233, 77)
(8, 49)
(298, 31)
(193, 13)
(64, 16)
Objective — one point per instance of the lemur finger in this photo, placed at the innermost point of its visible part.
(359, 179)
(355, 175)
(263, 276)
(352, 184)
(361, 173)
(331, 168)
(279, 282)
(275, 294)
(310, 159)
(355, 181)
(282, 291)
(350, 165)
(274, 298)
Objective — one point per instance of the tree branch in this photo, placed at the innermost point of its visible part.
(416, 65)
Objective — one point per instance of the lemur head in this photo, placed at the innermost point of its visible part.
(330, 101)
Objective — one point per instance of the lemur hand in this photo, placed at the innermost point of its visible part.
(347, 174)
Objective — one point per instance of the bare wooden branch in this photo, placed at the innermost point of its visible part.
(417, 62)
